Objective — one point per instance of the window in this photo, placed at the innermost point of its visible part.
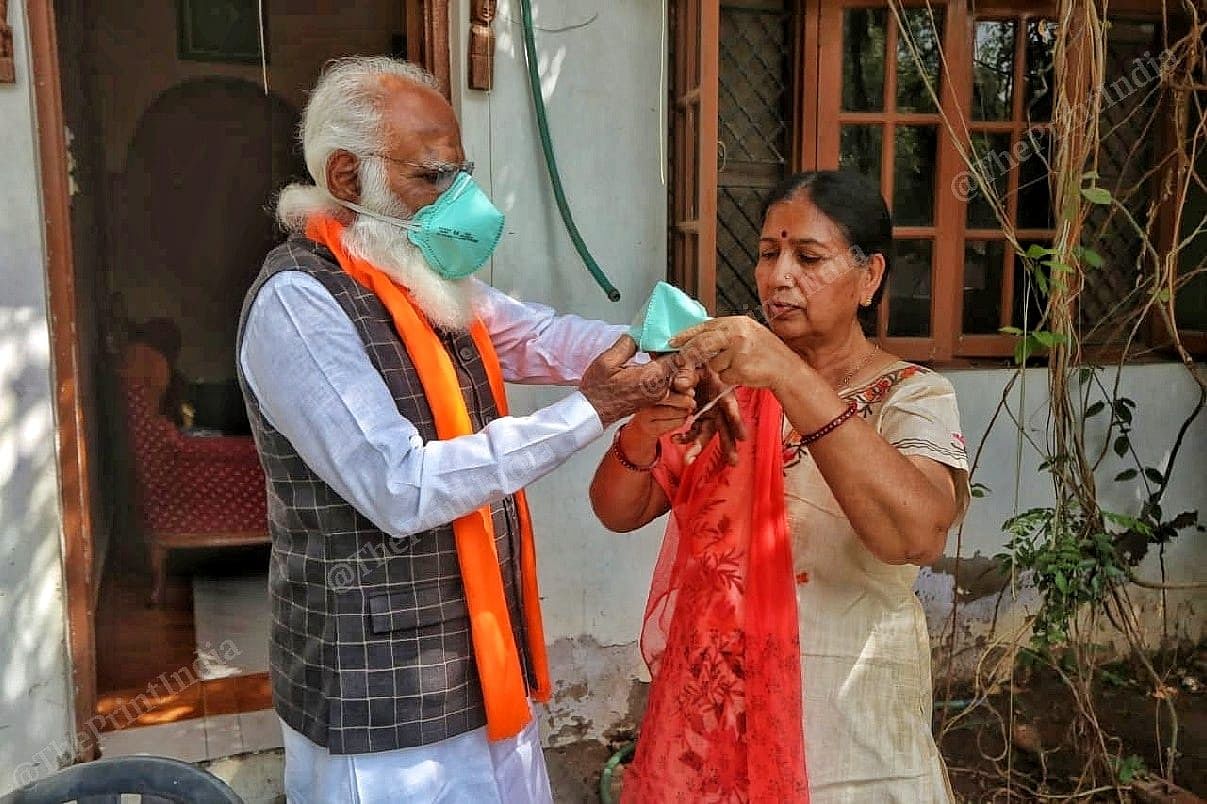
(877, 115)
(836, 83)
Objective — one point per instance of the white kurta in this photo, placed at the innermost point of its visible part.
(466, 769)
(865, 652)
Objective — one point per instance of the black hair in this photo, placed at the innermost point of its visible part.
(854, 204)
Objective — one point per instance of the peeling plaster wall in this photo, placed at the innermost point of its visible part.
(604, 81)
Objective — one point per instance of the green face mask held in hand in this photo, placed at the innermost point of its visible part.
(668, 312)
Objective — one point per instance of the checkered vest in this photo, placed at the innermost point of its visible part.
(370, 647)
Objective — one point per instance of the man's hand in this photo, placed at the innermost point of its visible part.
(617, 390)
(724, 420)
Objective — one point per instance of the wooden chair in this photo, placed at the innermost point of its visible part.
(190, 491)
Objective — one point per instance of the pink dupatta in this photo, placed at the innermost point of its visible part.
(724, 721)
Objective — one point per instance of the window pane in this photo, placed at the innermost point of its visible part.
(914, 175)
(1027, 296)
(909, 289)
(860, 150)
(1034, 189)
(863, 59)
(739, 216)
(983, 260)
(991, 152)
(755, 74)
(1129, 128)
(1041, 72)
(993, 70)
(926, 33)
(1190, 306)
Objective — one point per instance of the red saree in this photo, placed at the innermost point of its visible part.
(724, 721)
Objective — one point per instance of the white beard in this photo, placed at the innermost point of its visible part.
(447, 303)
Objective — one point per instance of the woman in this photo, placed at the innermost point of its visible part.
(852, 474)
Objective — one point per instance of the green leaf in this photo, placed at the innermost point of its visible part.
(1153, 475)
(1091, 175)
(1010, 331)
(1130, 768)
(1121, 445)
(1035, 251)
(1123, 411)
(1095, 409)
(1126, 474)
(1041, 282)
(1045, 338)
(1092, 258)
(1097, 195)
(1022, 350)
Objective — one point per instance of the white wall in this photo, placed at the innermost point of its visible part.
(604, 89)
(1165, 395)
(605, 84)
(35, 703)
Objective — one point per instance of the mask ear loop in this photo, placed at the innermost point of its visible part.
(357, 208)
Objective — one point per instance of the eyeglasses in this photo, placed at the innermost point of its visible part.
(438, 174)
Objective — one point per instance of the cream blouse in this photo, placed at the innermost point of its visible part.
(865, 651)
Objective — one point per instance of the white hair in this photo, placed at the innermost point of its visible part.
(341, 114)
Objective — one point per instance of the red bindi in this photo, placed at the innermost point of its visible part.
(784, 235)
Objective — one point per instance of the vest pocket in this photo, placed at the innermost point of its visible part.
(413, 607)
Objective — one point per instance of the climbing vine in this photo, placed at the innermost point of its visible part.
(1077, 555)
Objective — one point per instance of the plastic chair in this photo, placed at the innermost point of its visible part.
(154, 778)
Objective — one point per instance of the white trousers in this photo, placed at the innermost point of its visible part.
(466, 769)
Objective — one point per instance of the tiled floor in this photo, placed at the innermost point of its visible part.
(198, 739)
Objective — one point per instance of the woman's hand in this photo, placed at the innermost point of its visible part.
(740, 350)
(655, 421)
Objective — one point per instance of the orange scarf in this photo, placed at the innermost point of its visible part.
(498, 660)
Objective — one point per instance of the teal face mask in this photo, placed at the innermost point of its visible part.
(668, 312)
(456, 233)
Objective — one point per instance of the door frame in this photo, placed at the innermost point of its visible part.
(75, 491)
(431, 26)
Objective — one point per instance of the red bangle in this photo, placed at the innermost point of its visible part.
(837, 422)
(624, 459)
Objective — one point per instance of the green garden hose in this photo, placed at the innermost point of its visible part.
(542, 124)
(605, 778)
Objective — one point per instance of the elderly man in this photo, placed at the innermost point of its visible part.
(406, 641)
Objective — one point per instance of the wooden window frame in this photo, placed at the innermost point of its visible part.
(695, 31)
(938, 345)
(816, 131)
